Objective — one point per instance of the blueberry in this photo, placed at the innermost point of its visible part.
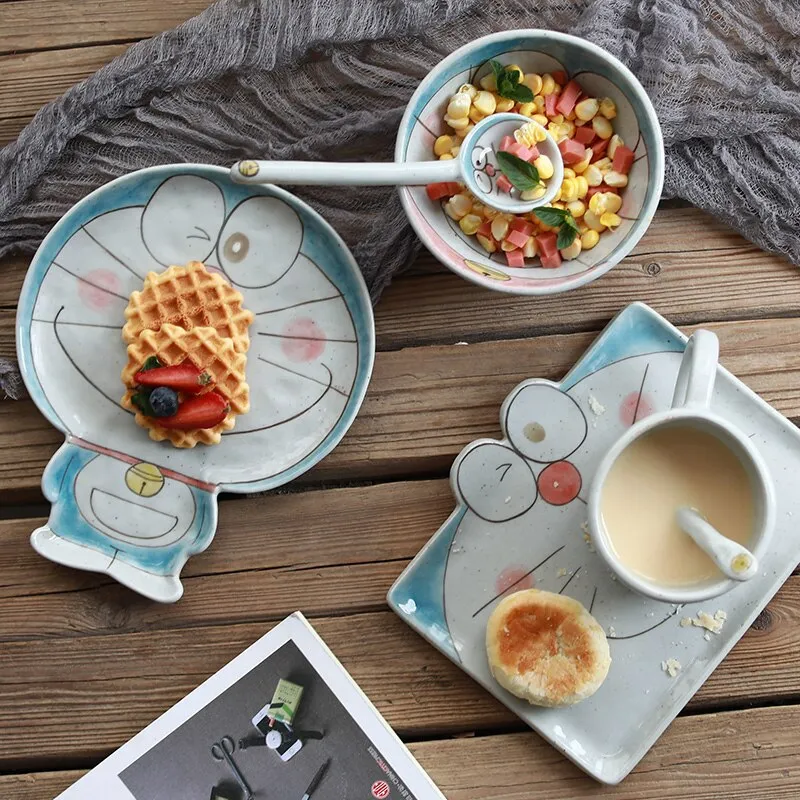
(164, 401)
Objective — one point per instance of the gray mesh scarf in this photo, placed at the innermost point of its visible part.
(329, 79)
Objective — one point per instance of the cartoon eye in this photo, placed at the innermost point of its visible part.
(259, 242)
(495, 482)
(487, 272)
(236, 247)
(543, 423)
(182, 220)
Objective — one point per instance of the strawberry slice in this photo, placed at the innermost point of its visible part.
(183, 377)
(204, 411)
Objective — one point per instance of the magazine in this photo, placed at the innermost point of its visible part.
(283, 720)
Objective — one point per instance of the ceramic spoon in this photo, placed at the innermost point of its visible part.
(733, 560)
(477, 150)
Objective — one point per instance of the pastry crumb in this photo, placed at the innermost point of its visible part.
(562, 572)
(461, 344)
(671, 666)
(596, 406)
(708, 622)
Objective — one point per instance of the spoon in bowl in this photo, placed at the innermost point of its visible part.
(476, 166)
(733, 560)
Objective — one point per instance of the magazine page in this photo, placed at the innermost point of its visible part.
(282, 720)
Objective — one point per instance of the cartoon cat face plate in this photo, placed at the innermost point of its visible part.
(520, 522)
(122, 503)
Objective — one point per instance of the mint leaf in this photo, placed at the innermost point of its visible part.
(498, 69)
(142, 401)
(517, 92)
(508, 84)
(152, 362)
(566, 235)
(523, 176)
(554, 217)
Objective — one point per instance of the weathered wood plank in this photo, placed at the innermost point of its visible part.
(49, 24)
(107, 687)
(426, 403)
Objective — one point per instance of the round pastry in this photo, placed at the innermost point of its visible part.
(546, 648)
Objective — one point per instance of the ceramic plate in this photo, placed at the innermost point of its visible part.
(122, 503)
(520, 522)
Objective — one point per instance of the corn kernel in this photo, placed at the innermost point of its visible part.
(446, 157)
(608, 108)
(603, 164)
(533, 194)
(462, 132)
(455, 151)
(444, 144)
(567, 129)
(530, 133)
(545, 167)
(533, 82)
(507, 247)
(582, 227)
(593, 221)
(613, 202)
(489, 212)
(458, 107)
(599, 203)
(539, 102)
(583, 186)
(527, 109)
(475, 115)
(541, 119)
(569, 190)
(503, 104)
(548, 84)
(477, 208)
(516, 68)
(470, 224)
(610, 220)
(613, 143)
(485, 103)
(488, 82)
(617, 179)
(569, 173)
(499, 228)
(571, 116)
(593, 175)
(557, 204)
(529, 248)
(457, 124)
(469, 89)
(587, 109)
(589, 239)
(583, 165)
(486, 243)
(557, 89)
(450, 211)
(577, 208)
(602, 127)
(558, 118)
(554, 129)
(574, 250)
(461, 204)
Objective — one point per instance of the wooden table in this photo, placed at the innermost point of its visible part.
(85, 664)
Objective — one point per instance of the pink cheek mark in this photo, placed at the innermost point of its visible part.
(559, 483)
(303, 340)
(515, 578)
(634, 407)
(90, 288)
(489, 170)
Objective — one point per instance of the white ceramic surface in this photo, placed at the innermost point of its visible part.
(691, 406)
(538, 51)
(521, 518)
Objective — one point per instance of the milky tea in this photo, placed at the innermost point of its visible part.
(670, 467)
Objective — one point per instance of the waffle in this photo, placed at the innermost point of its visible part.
(208, 351)
(188, 297)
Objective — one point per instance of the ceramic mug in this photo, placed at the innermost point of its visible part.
(691, 406)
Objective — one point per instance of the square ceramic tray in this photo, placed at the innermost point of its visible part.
(520, 520)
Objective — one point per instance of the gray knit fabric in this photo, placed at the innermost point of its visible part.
(314, 79)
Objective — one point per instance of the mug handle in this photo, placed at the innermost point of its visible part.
(698, 371)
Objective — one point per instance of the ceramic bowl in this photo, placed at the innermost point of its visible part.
(538, 51)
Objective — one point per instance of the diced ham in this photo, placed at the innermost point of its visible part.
(552, 261)
(517, 238)
(559, 76)
(546, 243)
(504, 184)
(515, 258)
(568, 97)
(520, 224)
(437, 191)
(584, 135)
(572, 152)
(485, 229)
(595, 189)
(520, 151)
(599, 149)
(623, 159)
(506, 142)
(550, 104)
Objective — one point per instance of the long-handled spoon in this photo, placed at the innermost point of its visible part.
(733, 560)
(478, 151)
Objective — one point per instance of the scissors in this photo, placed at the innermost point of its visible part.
(223, 751)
